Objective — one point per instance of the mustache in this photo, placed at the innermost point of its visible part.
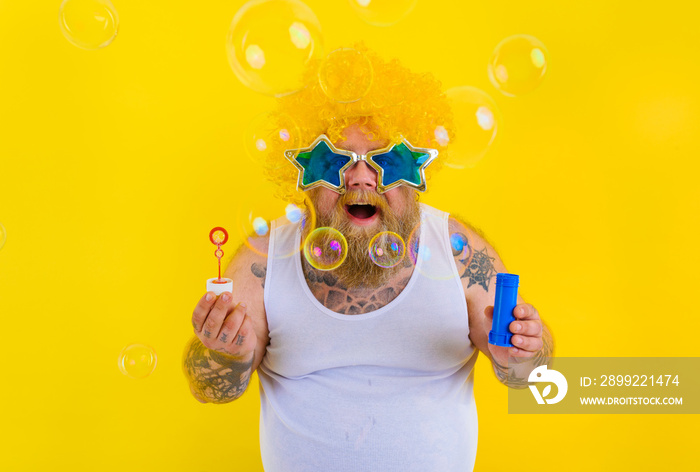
(363, 197)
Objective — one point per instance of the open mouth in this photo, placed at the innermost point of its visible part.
(361, 211)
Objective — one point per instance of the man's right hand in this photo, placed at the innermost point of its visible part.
(224, 327)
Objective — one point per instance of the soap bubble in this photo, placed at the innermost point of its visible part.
(88, 24)
(518, 65)
(458, 242)
(345, 75)
(3, 236)
(293, 213)
(476, 123)
(325, 248)
(387, 249)
(424, 256)
(137, 361)
(462, 253)
(254, 222)
(270, 42)
(268, 131)
(412, 244)
(383, 12)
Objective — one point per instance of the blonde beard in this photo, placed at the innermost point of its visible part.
(358, 270)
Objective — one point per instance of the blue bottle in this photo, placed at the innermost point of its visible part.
(506, 300)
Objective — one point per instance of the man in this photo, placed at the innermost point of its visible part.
(362, 367)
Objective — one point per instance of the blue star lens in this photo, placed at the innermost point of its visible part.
(400, 164)
(322, 164)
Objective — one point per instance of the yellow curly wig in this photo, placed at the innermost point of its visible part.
(399, 103)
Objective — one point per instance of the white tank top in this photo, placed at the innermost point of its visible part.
(389, 390)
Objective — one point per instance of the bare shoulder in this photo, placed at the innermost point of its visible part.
(248, 266)
(248, 269)
(477, 260)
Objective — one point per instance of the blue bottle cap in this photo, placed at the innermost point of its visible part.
(507, 280)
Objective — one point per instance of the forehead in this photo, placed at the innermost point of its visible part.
(358, 141)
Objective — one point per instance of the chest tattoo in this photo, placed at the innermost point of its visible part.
(335, 296)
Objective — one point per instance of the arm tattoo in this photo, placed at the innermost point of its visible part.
(516, 375)
(479, 269)
(215, 376)
(478, 265)
(259, 271)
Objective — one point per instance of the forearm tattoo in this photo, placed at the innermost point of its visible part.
(214, 376)
(516, 375)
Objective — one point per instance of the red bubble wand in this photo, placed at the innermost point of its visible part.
(219, 236)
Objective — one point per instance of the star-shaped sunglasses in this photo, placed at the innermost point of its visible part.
(324, 165)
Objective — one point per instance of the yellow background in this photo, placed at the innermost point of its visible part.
(115, 164)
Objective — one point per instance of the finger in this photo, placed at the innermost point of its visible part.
(245, 338)
(526, 328)
(232, 324)
(243, 333)
(516, 352)
(525, 311)
(212, 325)
(527, 343)
(201, 311)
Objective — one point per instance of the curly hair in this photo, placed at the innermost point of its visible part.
(399, 103)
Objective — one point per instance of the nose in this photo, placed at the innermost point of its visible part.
(361, 177)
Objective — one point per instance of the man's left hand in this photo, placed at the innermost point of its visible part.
(527, 334)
